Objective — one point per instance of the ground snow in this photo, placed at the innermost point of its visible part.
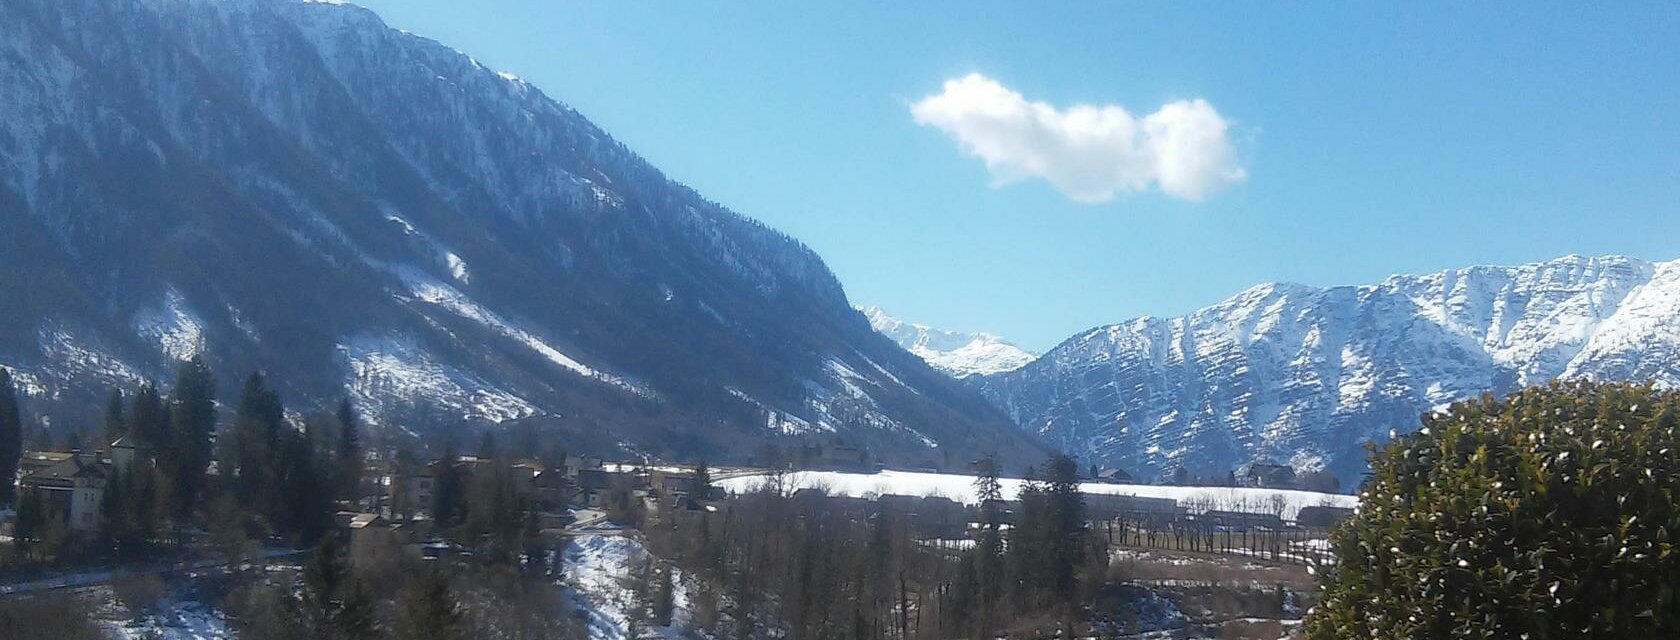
(961, 488)
(597, 567)
(180, 620)
(177, 331)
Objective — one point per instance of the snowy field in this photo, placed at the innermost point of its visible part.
(961, 488)
(181, 620)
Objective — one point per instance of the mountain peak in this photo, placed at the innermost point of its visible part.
(959, 354)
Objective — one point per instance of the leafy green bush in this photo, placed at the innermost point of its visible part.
(1550, 514)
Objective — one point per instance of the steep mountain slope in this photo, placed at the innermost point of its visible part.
(959, 354)
(1306, 375)
(295, 187)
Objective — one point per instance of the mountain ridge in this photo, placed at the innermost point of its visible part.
(1306, 375)
(298, 188)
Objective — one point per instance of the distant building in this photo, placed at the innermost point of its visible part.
(837, 457)
(576, 465)
(1136, 508)
(1322, 517)
(411, 494)
(928, 516)
(1241, 520)
(69, 486)
(1115, 476)
(1270, 476)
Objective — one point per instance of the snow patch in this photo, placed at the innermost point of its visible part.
(597, 569)
(173, 326)
(430, 290)
(179, 620)
(388, 372)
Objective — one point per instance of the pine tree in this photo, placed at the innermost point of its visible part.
(11, 438)
(116, 420)
(148, 423)
(304, 508)
(114, 518)
(1065, 535)
(193, 421)
(30, 518)
(702, 479)
(349, 451)
(426, 610)
(446, 496)
(358, 615)
(323, 576)
(988, 549)
(258, 422)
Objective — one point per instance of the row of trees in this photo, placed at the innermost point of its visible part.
(273, 478)
(816, 566)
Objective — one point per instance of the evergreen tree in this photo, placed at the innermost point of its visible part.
(446, 495)
(193, 421)
(349, 450)
(148, 423)
(702, 488)
(31, 516)
(988, 565)
(258, 422)
(11, 438)
(304, 497)
(323, 575)
(116, 422)
(426, 610)
(358, 614)
(1066, 535)
(114, 513)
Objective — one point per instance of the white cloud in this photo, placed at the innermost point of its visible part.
(1090, 153)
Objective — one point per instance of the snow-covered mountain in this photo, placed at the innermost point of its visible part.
(1307, 375)
(959, 354)
(293, 186)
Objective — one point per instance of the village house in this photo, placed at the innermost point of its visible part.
(410, 494)
(928, 516)
(1133, 508)
(1322, 517)
(837, 457)
(1269, 476)
(1241, 520)
(70, 485)
(1115, 476)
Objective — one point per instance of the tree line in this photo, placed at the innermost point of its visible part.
(810, 565)
(272, 481)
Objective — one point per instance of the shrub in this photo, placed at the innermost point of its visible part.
(140, 594)
(1550, 514)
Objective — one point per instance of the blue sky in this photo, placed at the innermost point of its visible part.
(1371, 139)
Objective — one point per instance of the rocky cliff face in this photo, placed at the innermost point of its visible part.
(1307, 375)
(296, 187)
